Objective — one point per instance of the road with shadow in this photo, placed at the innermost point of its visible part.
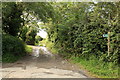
(42, 64)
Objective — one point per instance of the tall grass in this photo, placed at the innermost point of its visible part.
(50, 46)
(99, 68)
(28, 49)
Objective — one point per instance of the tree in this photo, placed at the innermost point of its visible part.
(11, 18)
(80, 26)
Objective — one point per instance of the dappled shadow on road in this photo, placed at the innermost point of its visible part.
(44, 60)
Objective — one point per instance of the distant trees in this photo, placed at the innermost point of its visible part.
(19, 23)
(20, 19)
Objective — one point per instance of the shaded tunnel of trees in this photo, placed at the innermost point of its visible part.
(74, 28)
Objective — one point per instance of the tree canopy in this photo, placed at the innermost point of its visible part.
(80, 27)
(73, 28)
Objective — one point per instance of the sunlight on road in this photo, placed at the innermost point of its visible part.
(35, 52)
(41, 65)
(44, 49)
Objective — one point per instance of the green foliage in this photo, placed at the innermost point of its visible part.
(51, 47)
(27, 34)
(38, 39)
(11, 18)
(79, 29)
(23, 33)
(9, 58)
(18, 17)
(100, 68)
(30, 36)
(73, 29)
(44, 12)
(12, 46)
(28, 49)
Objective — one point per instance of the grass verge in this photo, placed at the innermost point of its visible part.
(93, 66)
(50, 47)
(97, 68)
(10, 58)
(28, 49)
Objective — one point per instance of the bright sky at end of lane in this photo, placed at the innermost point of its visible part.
(42, 33)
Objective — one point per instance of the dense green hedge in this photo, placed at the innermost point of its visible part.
(80, 31)
(12, 48)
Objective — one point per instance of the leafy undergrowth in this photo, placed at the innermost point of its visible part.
(10, 58)
(97, 68)
(12, 49)
(28, 49)
(50, 46)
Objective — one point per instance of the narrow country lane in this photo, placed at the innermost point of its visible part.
(41, 65)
